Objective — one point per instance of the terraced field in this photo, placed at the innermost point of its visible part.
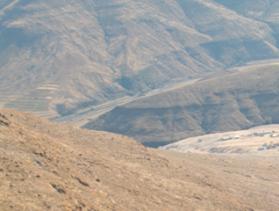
(37, 101)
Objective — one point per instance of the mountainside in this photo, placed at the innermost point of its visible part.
(45, 166)
(57, 57)
(234, 100)
(260, 141)
(264, 10)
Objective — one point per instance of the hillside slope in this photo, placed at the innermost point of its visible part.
(46, 166)
(59, 57)
(262, 140)
(235, 100)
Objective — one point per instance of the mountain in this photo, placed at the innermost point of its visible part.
(58, 58)
(46, 166)
(260, 141)
(239, 99)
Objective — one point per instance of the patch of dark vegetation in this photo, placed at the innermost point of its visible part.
(39, 153)
(4, 121)
(58, 188)
(62, 110)
(126, 83)
(82, 182)
(269, 146)
(155, 144)
(217, 150)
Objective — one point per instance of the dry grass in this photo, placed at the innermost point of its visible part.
(44, 166)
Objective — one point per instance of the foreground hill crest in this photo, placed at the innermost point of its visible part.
(45, 166)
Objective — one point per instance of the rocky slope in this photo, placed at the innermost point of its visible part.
(46, 166)
(235, 100)
(59, 57)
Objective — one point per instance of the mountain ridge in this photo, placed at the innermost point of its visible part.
(87, 53)
(234, 100)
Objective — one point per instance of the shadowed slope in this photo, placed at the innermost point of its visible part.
(235, 100)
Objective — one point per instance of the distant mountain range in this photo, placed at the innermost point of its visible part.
(77, 60)
(235, 100)
(59, 57)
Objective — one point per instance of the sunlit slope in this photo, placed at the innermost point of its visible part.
(45, 166)
(256, 141)
(92, 52)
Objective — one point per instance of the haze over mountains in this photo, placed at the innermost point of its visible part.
(59, 57)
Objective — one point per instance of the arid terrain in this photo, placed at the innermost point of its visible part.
(238, 99)
(262, 140)
(59, 57)
(150, 105)
(46, 166)
(156, 71)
